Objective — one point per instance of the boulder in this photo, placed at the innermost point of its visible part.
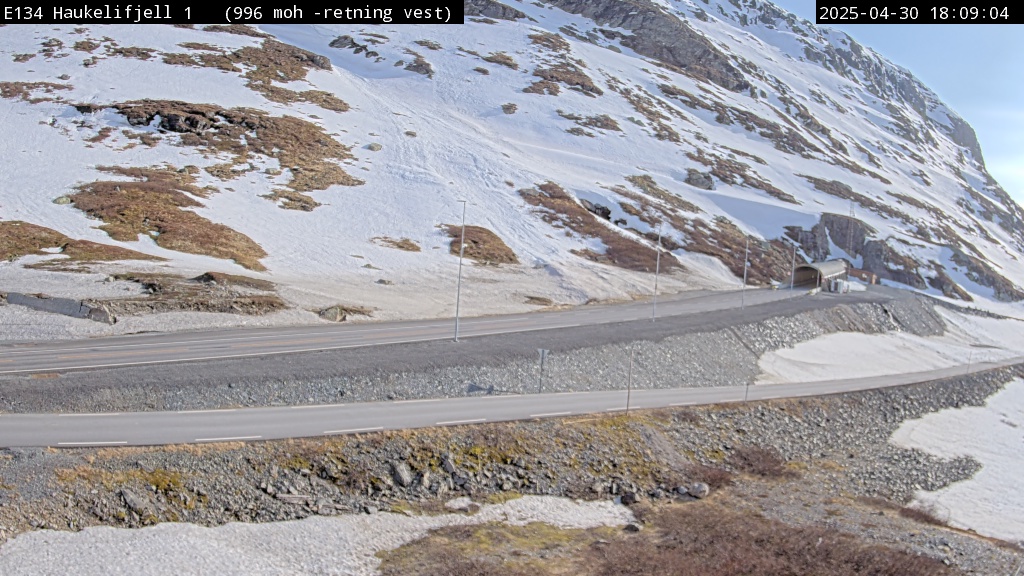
(401, 473)
(699, 490)
(699, 179)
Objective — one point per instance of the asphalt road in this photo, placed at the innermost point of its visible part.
(154, 428)
(160, 348)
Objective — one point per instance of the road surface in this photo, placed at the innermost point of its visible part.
(246, 424)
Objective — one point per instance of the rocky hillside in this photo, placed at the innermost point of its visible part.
(330, 159)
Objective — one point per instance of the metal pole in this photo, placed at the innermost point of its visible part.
(792, 273)
(458, 289)
(746, 260)
(629, 379)
(540, 377)
(657, 269)
(970, 356)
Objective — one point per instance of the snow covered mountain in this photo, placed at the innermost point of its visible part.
(332, 161)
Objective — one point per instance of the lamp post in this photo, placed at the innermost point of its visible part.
(458, 288)
(657, 270)
(792, 273)
(629, 378)
(746, 261)
(540, 378)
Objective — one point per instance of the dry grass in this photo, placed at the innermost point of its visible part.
(502, 59)
(543, 87)
(223, 279)
(23, 57)
(694, 539)
(26, 91)
(131, 52)
(155, 203)
(19, 239)
(923, 513)
(571, 76)
(237, 29)
(482, 245)
(734, 172)
(494, 549)
(724, 241)
(552, 42)
(266, 64)
(301, 146)
(702, 539)
(762, 462)
(401, 244)
(561, 210)
(715, 477)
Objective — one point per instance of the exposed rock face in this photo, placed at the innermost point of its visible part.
(662, 36)
(699, 179)
(881, 259)
(848, 233)
(492, 9)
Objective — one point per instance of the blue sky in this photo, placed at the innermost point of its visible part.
(977, 70)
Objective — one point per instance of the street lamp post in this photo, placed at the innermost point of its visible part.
(657, 270)
(792, 273)
(629, 378)
(458, 289)
(746, 261)
(540, 377)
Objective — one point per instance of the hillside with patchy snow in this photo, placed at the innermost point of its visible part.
(310, 166)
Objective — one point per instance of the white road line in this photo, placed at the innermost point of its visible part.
(550, 414)
(461, 422)
(353, 430)
(614, 409)
(225, 439)
(416, 401)
(564, 393)
(310, 406)
(91, 414)
(92, 443)
(682, 404)
(206, 411)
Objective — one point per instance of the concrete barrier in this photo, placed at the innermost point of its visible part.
(65, 306)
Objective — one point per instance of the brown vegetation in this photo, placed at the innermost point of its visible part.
(694, 539)
(543, 87)
(19, 239)
(733, 172)
(482, 245)
(299, 145)
(552, 42)
(237, 29)
(210, 292)
(758, 461)
(502, 59)
(703, 539)
(153, 204)
(25, 91)
(401, 244)
(561, 210)
(844, 191)
(266, 64)
(571, 76)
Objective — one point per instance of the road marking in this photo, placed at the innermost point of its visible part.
(564, 393)
(92, 414)
(461, 422)
(227, 438)
(682, 404)
(416, 401)
(353, 430)
(206, 411)
(308, 406)
(614, 409)
(110, 354)
(92, 443)
(550, 414)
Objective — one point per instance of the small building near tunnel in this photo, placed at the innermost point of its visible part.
(822, 275)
